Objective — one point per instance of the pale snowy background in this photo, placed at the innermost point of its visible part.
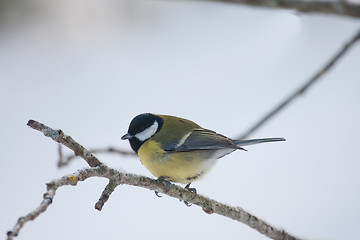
(88, 67)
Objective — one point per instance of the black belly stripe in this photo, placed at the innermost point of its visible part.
(195, 177)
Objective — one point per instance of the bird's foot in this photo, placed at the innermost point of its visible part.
(193, 190)
(167, 185)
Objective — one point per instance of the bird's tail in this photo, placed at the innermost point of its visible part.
(256, 141)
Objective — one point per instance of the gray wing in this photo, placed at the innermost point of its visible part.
(203, 139)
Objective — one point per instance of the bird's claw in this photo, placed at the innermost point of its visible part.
(193, 190)
(187, 203)
(167, 185)
(157, 194)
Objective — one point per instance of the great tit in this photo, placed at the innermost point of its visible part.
(177, 149)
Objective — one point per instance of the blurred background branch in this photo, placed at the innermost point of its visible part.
(302, 88)
(340, 7)
(63, 161)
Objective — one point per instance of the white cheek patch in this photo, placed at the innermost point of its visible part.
(147, 133)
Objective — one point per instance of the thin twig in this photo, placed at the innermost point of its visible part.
(48, 197)
(65, 160)
(60, 137)
(339, 7)
(303, 88)
(116, 178)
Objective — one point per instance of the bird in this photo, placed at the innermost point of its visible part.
(178, 150)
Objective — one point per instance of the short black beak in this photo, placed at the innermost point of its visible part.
(126, 136)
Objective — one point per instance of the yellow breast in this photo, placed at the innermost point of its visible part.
(183, 167)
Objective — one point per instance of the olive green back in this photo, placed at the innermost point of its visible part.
(173, 130)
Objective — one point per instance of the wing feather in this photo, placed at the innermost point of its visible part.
(204, 139)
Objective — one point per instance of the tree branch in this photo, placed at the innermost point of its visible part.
(117, 178)
(48, 196)
(339, 7)
(304, 87)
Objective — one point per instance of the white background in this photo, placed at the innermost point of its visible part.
(88, 67)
